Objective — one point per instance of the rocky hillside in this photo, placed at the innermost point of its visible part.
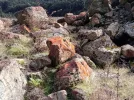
(89, 56)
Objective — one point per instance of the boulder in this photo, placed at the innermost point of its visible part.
(39, 63)
(106, 56)
(38, 94)
(33, 17)
(90, 34)
(71, 73)
(112, 29)
(60, 50)
(129, 29)
(12, 81)
(100, 50)
(127, 51)
(60, 95)
(35, 94)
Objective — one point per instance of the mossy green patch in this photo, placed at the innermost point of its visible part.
(18, 50)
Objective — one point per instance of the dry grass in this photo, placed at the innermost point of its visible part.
(104, 85)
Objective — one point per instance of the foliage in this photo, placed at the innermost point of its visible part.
(8, 8)
(35, 81)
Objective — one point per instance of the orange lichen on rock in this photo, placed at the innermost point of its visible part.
(60, 49)
(73, 72)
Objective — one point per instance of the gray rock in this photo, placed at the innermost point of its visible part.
(39, 63)
(60, 95)
(129, 29)
(101, 51)
(112, 29)
(105, 56)
(91, 34)
(35, 94)
(12, 81)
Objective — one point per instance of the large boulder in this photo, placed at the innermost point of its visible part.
(125, 34)
(12, 81)
(101, 51)
(60, 50)
(33, 17)
(72, 72)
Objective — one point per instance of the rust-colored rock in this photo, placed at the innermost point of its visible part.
(60, 50)
(72, 73)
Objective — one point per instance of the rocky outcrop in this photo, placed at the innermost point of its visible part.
(12, 81)
(60, 50)
(71, 73)
(33, 17)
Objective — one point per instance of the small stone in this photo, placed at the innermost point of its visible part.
(127, 51)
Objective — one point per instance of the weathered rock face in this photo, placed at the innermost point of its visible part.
(33, 17)
(112, 29)
(39, 63)
(90, 34)
(60, 95)
(125, 35)
(38, 94)
(101, 51)
(106, 56)
(129, 29)
(127, 51)
(60, 50)
(72, 73)
(35, 94)
(12, 81)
